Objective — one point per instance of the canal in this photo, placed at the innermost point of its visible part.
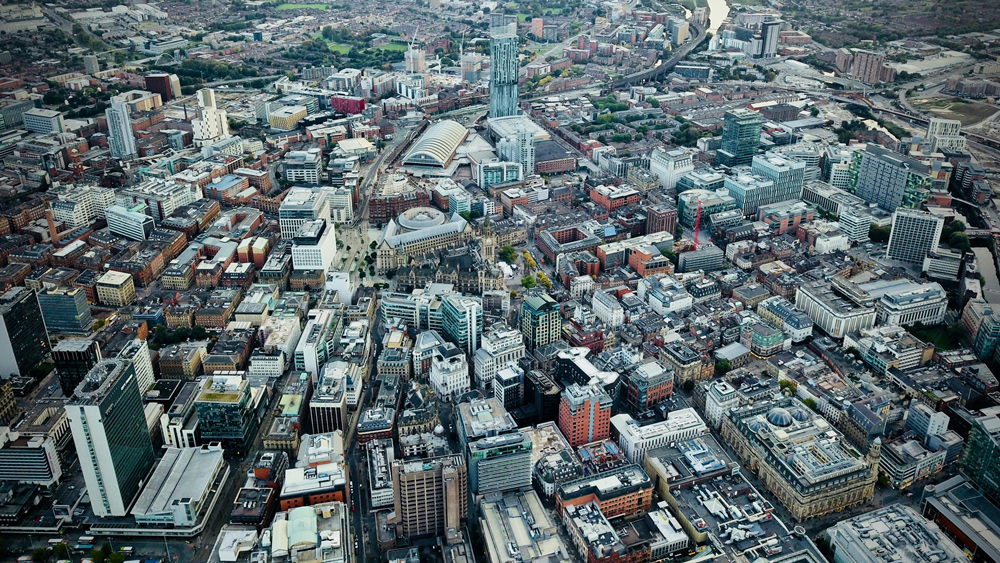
(988, 269)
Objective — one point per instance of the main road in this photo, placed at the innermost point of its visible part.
(698, 35)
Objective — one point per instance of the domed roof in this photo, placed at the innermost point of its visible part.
(779, 417)
(800, 414)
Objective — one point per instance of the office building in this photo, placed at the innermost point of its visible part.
(794, 323)
(504, 66)
(111, 436)
(73, 360)
(303, 167)
(592, 535)
(894, 533)
(137, 352)
(708, 258)
(227, 412)
(121, 139)
(914, 234)
(625, 491)
(430, 496)
(212, 124)
(808, 465)
(65, 309)
(982, 450)
(508, 387)
(684, 361)
(24, 342)
(499, 172)
(740, 137)
(168, 86)
(541, 321)
(498, 464)
(890, 180)
(301, 205)
(786, 175)
(482, 418)
(115, 289)
(635, 440)
(584, 414)
(905, 303)
(924, 421)
(501, 347)
(314, 246)
(837, 306)
(44, 121)
(462, 321)
(517, 527)
(161, 197)
(449, 371)
(645, 387)
(179, 490)
(670, 164)
(30, 459)
(964, 516)
(856, 223)
(129, 223)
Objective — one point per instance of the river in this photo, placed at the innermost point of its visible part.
(718, 10)
(991, 289)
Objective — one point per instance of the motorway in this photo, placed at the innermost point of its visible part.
(698, 35)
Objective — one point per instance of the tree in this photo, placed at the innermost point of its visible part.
(40, 554)
(61, 551)
(361, 274)
(528, 282)
(97, 555)
(653, 102)
(107, 549)
(373, 245)
(328, 33)
(722, 367)
(689, 386)
(814, 112)
(118, 557)
(811, 403)
(960, 241)
(508, 254)
(787, 384)
(879, 234)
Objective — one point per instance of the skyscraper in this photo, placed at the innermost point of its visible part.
(111, 437)
(121, 139)
(890, 180)
(430, 496)
(23, 340)
(73, 360)
(504, 65)
(462, 320)
(914, 234)
(541, 322)
(740, 137)
(670, 164)
(211, 125)
(584, 414)
(65, 309)
(982, 450)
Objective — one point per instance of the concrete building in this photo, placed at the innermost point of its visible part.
(895, 533)
(44, 121)
(129, 223)
(517, 527)
(890, 180)
(501, 347)
(65, 310)
(30, 459)
(180, 487)
(430, 497)
(837, 306)
(635, 440)
(924, 421)
(541, 322)
(499, 464)
(592, 535)
(301, 205)
(964, 516)
(211, 125)
(800, 458)
(914, 234)
(111, 436)
(314, 247)
(626, 491)
(795, 323)
(303, 167)
(115, 289)
(669, 165)
(449, 371)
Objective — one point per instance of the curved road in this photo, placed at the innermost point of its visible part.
(655, 72)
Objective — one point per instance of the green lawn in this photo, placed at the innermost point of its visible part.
(294, 6)
(940, 336)
(340, 48)
(392, 47)
(523, 17)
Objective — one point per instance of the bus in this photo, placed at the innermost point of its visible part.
(83, 547)
(127, 550)
(87, 539)
(56, 541)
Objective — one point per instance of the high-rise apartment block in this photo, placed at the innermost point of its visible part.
(584, 414)
(504, 67)
(211, 125)
(888, 179)
(121, 139)
(112, 439)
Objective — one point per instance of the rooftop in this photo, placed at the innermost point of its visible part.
(896, 534)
